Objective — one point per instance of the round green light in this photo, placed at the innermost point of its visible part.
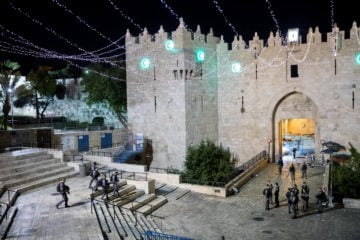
(200, 55)
(357, 58)
(169, 45)
(236, 67)
(145, 63)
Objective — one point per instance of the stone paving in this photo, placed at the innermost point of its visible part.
(194, 215)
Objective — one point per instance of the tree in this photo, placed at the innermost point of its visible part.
(9, 77)
(208, 163)
(347, 176)
(38, 91)
(103, 88)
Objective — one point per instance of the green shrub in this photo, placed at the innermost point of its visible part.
(98, 121)
(207, 164)
(346, 178)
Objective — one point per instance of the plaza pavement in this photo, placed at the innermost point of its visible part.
(193, 215)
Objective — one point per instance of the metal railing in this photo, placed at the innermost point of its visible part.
(151, 235)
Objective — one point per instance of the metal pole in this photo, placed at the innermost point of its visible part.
(330, 187)
(12, 114)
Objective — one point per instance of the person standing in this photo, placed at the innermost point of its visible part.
(295, 199)
(303, 170)
(288, 197)
(64, 190)
(321, 197)
(270, 186)
(294, 152)
(266, 193)
(280, 165)
(305, 196)
(115, 182)
(276, 194)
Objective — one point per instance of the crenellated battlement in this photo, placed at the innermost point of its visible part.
(182, 35)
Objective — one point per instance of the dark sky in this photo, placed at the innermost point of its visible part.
(88, 25)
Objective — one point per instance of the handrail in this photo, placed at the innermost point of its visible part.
(5, 212)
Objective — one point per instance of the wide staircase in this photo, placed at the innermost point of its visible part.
(126, 215)
(24, 170)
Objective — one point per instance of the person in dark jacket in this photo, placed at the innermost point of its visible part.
(276, 194)
(64, 190)
(115, 182)
(104, 183)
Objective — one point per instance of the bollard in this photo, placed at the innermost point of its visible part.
(82, 170)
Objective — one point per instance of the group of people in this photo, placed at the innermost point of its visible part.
(95, 182)
(104, 183)
(292, 195)
(268, 193)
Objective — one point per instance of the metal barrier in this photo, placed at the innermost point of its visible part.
(151, 235)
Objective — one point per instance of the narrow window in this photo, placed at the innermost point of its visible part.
(294, 71)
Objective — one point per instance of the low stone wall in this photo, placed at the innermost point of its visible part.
(120, 166)
(175, 180)
(243, 178)
(351, 203)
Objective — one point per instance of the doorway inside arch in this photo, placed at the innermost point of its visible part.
(297, 138)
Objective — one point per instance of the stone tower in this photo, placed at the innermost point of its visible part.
(184, 87)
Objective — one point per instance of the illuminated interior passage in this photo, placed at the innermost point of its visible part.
(297, 133)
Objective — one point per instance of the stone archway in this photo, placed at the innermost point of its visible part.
(301, 114)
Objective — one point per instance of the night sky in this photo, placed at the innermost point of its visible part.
(93, 24)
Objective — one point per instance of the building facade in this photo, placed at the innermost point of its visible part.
(184, 87)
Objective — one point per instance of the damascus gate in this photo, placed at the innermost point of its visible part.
(273, 94)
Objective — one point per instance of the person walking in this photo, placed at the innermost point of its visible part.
(305, 196)
(115, 182)
(94, 179)
(64, 190)
(276, 194)
(292, 173)
(280, 165)
(303, 170)
(104, 183)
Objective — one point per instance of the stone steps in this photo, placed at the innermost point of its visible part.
(69, 173)
(153, 205)
(6, 221)
(31, 171)
(105, 221)
(128, 197)
(139, 202)
(22, 168)
(8, 162)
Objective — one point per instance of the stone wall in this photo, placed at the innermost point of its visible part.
(312, 80)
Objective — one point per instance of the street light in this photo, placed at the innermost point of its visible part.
(12, 108)
(269, 141)
(322, 153)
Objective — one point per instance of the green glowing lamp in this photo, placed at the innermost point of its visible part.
(236, 67)
(199, 55)
(357, 58)
(145, 63)
(169, 45)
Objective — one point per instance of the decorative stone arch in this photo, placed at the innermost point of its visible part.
(291, 104)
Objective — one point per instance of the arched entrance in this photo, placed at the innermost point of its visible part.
(294, 122)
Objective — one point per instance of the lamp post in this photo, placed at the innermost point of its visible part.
(12, 108)
(322, 153)
(269, 142)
